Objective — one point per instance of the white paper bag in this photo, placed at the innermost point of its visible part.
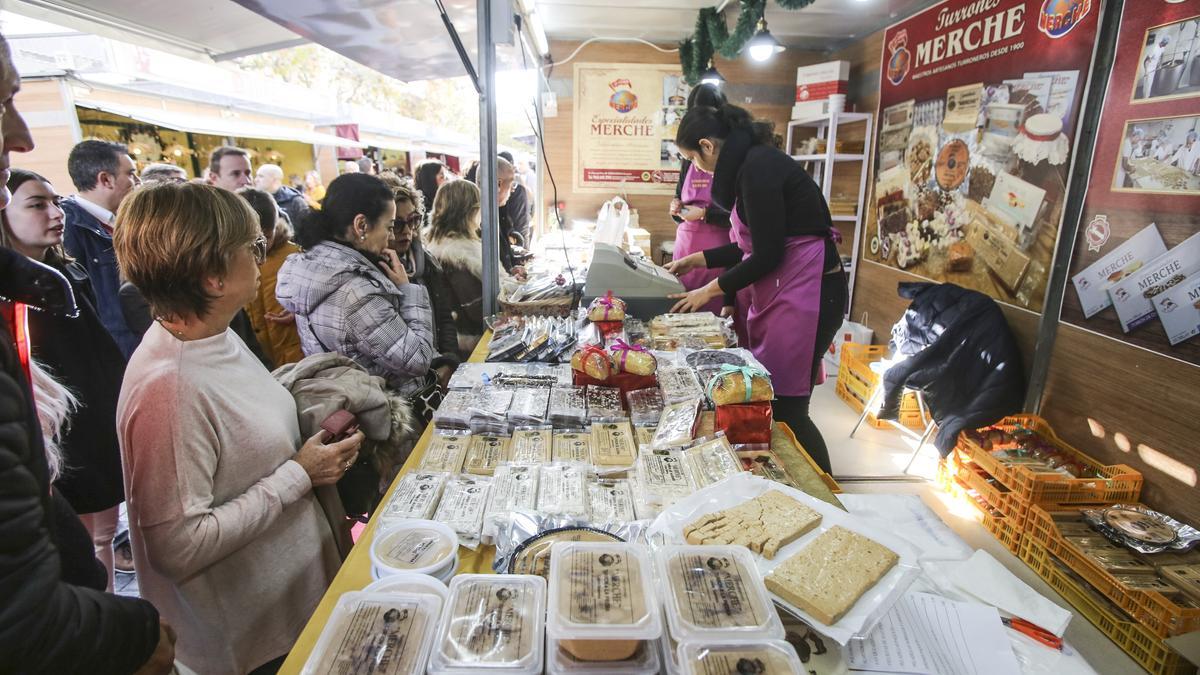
(858, 333)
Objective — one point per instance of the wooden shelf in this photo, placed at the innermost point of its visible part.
(843, 118)
(845, 219)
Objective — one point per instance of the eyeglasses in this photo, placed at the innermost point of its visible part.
(259, 248)
(411, 222)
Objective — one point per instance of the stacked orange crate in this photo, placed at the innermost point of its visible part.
(999, 513)
(856, 382)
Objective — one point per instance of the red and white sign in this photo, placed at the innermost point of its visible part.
(820, 81)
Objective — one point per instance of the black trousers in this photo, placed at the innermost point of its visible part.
(793, 410)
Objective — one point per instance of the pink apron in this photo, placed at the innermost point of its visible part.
(697, 235)
(780, 326)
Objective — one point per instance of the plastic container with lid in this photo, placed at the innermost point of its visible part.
(731, 657)
(715, 592)
(602, 602)
(409, 583)
(387, 633)
(493, 623)
(415, 546)
(645, 661)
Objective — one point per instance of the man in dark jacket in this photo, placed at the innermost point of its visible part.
(47, 625)
(961, 355)
(516, 209)
(269, 179)
(103, 174)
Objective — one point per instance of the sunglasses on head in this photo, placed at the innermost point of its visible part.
(259, 248)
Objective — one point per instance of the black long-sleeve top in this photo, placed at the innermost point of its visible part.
(775, 197)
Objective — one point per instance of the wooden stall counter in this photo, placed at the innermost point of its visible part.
(355, 573)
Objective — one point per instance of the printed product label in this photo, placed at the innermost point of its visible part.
(610, 501)
(490, 625)
(572, 447)
(613, 444)
(445, 453)
(603, 587)
(417, 548)
(563, 489)
(733, 663)
(1092, 283)
(530, 446)
(663, 472)
(485, 453)
(711, 461)
(1179, 310)
(462, 505)
(416, 496)
(711, 592)
(1133, 297)
(377, 637)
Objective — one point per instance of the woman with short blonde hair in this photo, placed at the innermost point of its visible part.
(230, 542)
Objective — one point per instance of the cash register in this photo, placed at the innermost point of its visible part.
(643, 285)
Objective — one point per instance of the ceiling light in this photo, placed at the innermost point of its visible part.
(763, 45)
(711, 76)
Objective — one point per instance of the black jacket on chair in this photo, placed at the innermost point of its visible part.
(961, 356)
(46, 624)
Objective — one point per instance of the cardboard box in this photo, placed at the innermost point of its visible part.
(1093, 282)
(818, 81)
(1179, 310)
(810, 110)
(1133, 297)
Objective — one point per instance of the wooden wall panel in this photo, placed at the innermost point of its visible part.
(744, 75)
(1098, 387)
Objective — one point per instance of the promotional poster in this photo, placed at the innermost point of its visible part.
(1135, 266)
(979, 105)
(626, 116)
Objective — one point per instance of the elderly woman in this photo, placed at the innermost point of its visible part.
(230, 543)
(350, 292)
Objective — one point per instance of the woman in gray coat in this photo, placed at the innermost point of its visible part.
(351, 294)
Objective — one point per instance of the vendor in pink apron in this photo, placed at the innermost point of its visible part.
(701, 223)
(783, 262)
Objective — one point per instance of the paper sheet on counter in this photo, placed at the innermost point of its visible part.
(983, 577)
(909, 517)
(926, 633)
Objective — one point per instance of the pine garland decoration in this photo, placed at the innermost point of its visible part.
(711, 35)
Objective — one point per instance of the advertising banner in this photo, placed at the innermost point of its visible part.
(1135, 266)
(626, 116)
(979, 104)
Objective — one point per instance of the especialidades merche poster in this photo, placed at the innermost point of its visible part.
(1135, 266)
(979, 104)
(626, 116)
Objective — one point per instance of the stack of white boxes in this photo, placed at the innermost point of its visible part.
(815, 84)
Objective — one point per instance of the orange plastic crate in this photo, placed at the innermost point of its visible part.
(1161, 615)
(1134, 639)
(856, 382)
(1117, 483)
(996, 495)
(1007, 530)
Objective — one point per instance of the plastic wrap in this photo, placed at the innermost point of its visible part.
(529, 406)
(737, 489)
(388, 634)
(645, 406)
(470, 375)
(492, 622)
(738, 656)
(761, 461)
(645, 434)
(485, 453)
(711, 461)
(603, 403)
(489, 410)
(611, 500)
(462, 506)
(523, 547)
(416, 496)
(613, 445)
(677, 424)
(513, 487)
(712, 592)
(662, 478)
(563, 490)
(572, 445)
(602, 591)
(414, 547)
(454, 411)
(446, 451)
(531, 445)
(645, 661)
(1142, 529)
(679, 385)
(568, 407)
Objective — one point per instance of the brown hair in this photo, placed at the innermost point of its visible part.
(170, 236)
(404, 190)
(214, 160)
(454, 207)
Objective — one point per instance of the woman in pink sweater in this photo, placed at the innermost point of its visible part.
(230, 542)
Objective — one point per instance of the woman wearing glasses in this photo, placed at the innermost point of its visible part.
(424, 270)
(274, 326)
(230, 542)
(350, 292)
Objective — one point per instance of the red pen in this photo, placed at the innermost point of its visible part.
(1035, 632)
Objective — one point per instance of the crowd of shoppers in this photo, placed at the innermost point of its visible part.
(143, 376)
